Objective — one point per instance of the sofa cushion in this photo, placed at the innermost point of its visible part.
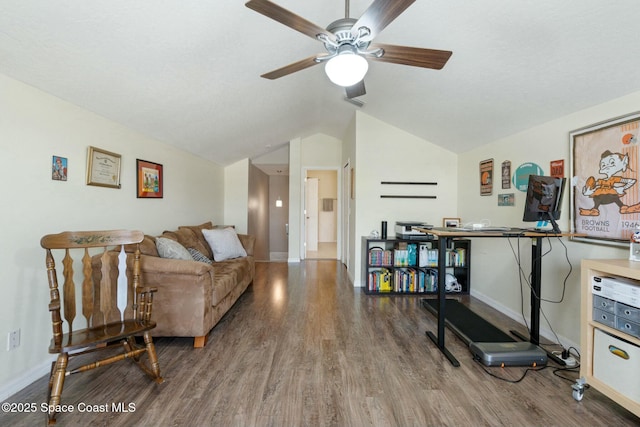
(199, 256)
(168, 248)
(197, 231)
(228, 274)
(187, 238)
(147, 246)
(224, 243)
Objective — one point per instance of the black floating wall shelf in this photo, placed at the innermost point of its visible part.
(408, 183)
(389, 196)
(394, 196)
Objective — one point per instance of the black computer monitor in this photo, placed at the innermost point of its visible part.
(544, 200)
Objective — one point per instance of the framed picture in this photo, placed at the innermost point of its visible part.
(506, 199)
(506, 174)
(149, 180)
(451, 222)
(556, 168)
(486, 177)
(59, 168)
(605, 195)
(103, 168)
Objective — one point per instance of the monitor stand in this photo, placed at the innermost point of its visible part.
(554, 224)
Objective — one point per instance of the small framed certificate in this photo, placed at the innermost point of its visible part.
(103, 168)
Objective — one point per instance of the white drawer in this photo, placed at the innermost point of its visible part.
(616, 363)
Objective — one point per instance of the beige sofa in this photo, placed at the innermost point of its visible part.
(192, 295)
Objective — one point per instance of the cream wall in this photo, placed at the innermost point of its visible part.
(278, 216)
(236, 195)
(499, 285)
(258, 212)
(295, 201)
(34, 126)
(348, 215)
(386, 153)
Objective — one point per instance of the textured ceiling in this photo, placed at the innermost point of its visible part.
(186, 72)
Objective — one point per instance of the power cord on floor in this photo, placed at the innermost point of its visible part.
(524, 374)
(564, 354)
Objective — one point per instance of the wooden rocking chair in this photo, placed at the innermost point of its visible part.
(116, 308)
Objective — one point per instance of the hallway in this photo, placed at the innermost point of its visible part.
(326, 250)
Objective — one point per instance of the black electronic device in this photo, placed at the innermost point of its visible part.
(544, 200)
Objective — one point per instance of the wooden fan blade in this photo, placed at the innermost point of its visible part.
(414, 56)
(290, 19)
(379, 15)
(291, 68)
(356, 90)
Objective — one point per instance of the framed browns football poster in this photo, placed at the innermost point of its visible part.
(605, 192)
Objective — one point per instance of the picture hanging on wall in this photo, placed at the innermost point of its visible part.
(59, 168)
(506, 174)
(486, 177)
(507, 199)
(451, 222)
(103, 168)
(149, 180)
(556, 168)
(605, 195)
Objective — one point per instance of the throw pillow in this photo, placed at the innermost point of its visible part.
(224, 243)
(168, 248)
(199, 256)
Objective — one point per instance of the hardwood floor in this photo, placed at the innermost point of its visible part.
(326, 250)
(302, 347)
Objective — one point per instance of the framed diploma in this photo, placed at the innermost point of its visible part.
(103, 168)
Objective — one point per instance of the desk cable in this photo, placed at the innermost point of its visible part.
(523, 276)
(556, 371)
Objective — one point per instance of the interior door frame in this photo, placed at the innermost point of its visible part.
(345, 212)
(303, 233)
(311, 218)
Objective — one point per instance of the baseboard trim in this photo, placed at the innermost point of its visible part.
(24, 380)
(278, 256)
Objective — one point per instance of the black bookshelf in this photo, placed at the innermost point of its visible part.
(396, 266)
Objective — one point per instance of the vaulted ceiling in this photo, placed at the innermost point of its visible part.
(187, 72)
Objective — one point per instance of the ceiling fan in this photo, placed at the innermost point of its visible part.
(349, 43)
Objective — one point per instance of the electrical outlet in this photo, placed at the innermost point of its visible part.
(569, 361)
(13, 340)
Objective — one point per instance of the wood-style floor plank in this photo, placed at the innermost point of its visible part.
(302, 347)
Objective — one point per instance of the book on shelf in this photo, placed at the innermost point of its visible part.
(379, 280)
(455, 257)
(379, 256)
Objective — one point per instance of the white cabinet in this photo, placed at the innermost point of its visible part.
(610, 359)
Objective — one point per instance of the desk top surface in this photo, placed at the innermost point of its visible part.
(453, 232)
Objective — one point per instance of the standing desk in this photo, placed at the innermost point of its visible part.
(446, 235)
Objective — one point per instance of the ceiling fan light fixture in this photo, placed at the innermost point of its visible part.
(346, 68)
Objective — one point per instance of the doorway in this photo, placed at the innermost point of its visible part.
(321, 214)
